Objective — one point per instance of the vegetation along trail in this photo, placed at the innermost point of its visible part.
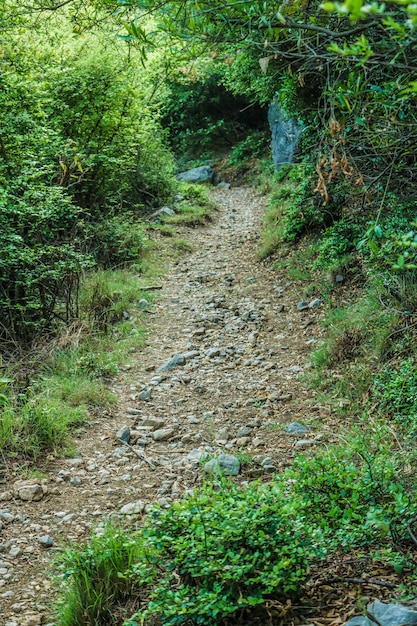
(219, 374)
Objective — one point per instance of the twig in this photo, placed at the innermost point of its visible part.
(401, 330)
(142, 457)
(151, 287)
(412, 535)
(373, 618)
(357, 581)
(391, 310)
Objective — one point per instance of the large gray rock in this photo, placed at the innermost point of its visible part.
(31, 492)
(386, 615)
(202, 174)
(285, 134)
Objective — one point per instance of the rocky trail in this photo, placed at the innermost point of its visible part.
(219, 378)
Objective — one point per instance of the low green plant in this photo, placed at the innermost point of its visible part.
(34, 423)
(292, 208)
(361, 492)
(97, 579)
(224, 549)
(395, 391)
(252, 147)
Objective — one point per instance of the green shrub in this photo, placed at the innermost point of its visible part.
(40, 261)
(395, 390)
(359, 493)
(292, 208)
(226, 549)
(114, 157)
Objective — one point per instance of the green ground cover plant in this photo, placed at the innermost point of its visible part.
(226, 550)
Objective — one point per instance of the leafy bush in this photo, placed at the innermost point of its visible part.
(336, 243)
(222, 550)
(395, 390)
(40, 262)
(115, 156)
(292, 208)
(361, 492)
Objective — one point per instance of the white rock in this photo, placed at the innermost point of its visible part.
(133, 508)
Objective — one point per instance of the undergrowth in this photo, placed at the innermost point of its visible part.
(50, 387)
(227, 551)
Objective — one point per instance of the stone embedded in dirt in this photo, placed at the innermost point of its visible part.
(386, 615)
(296, 428)
(211, 353)
(196, 455)
(76, 480)
(225, 464)
(302, 444)
(315, 303)
(244, 432)
(267, 462)
(124, 434)
(63, 476)
(30, 492)
(145, 395)
(201, 174)
(191, 354)
(241, 442)
(177, 359)
(143, 303)
(302, 306)
(34, 619)
(223, 185)
(163, 434)
(223, 434)
(133, 508)
(6, 496)
(14, 552)
(6, 516)
(132, 411)
(153, 422)
(46, 541)
(257, 442)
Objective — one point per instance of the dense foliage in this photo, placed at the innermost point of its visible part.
(81, 158)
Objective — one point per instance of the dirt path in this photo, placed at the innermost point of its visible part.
(235, 323)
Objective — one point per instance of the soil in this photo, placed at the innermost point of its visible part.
(238, 389)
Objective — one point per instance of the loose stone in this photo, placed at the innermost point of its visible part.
(46, 541)
(177, 359)
(163, 433)
(211, 353)
(296, 428)
(124, 434)
(386, 615)
(305, 443)
(29, 491)
(315, 303)
(133, 508)
(224, 463)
